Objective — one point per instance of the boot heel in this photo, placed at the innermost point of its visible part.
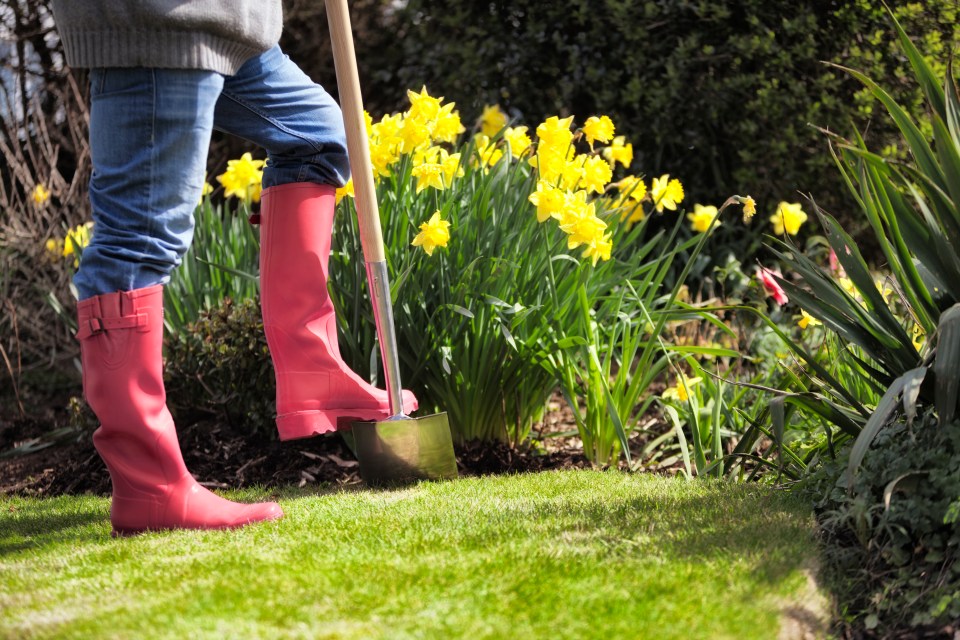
(306, 424)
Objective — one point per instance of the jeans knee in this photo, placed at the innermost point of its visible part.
(329, 166)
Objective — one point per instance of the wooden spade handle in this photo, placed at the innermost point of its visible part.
(358, 147)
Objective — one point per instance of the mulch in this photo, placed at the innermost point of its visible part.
(221, 457)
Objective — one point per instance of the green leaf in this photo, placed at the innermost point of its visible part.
(458, 309)
(826, 410)
(719, 352)
(887, 405)
(571, 341)
(856, 269)
(946, 366)
(230, 270)
(891, 486)
(922, 71)
(617, 422)
(681, 438)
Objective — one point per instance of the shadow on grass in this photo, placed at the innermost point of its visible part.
(43, 523)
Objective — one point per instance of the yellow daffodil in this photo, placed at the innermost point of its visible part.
(413, 135)
(572, 172)
(632, 192)
(620, 151)
(423, 106)
(666, 193)
(788, 218)
(847, 285)
(487, 153)
(447, 125)
(77, 239)
(632, 187)
(918, 336)
(427, 155)
(345, 191)
(598, 129)
(388, 129)
(518, 140)
(551, 163)
(749, 207)
(886, 289)
(598, 249)
(807, 320)
(492, 120)
(450, 166)
(596, 174)
(702, 218)
(575, 208)
(582, 226)
(549, 201)
(382, 157)
(681, 390)
(555, 134)
(73, 244)
(54, 247)
(434, 233)
(243, 178)
(41, 195)
(632, 213)
(428, 174)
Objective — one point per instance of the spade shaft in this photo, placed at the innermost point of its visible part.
(400, 448)
(368, 213)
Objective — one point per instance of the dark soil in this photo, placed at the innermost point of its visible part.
(61, 459)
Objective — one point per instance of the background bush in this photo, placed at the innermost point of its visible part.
(722, 94)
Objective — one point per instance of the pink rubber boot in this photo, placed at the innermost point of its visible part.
(315, 387)
(121, 337)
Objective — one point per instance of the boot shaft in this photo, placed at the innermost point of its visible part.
(121, 350)
(316, 389)
(121, 347)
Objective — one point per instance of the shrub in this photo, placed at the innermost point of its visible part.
(220, 366)
(892, 551)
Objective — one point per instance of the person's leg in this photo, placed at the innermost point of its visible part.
(272, 103)
(149, 132)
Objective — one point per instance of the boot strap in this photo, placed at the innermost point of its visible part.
(96, 326)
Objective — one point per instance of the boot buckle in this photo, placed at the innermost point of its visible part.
(96, 326)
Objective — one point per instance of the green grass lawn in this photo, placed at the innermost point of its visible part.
(574, 554)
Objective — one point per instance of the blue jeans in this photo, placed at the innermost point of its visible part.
(150, 133)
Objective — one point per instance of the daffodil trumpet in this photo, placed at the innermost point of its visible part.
(401, 448)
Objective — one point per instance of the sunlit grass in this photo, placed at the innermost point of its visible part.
(553, 555)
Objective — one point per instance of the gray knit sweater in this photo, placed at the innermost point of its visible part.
(218, 35)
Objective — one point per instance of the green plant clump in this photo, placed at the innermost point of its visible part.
(892, 534)
(220, 366)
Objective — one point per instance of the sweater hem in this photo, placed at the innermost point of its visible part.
(157, 49)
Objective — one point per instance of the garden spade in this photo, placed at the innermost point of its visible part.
(400, 448)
